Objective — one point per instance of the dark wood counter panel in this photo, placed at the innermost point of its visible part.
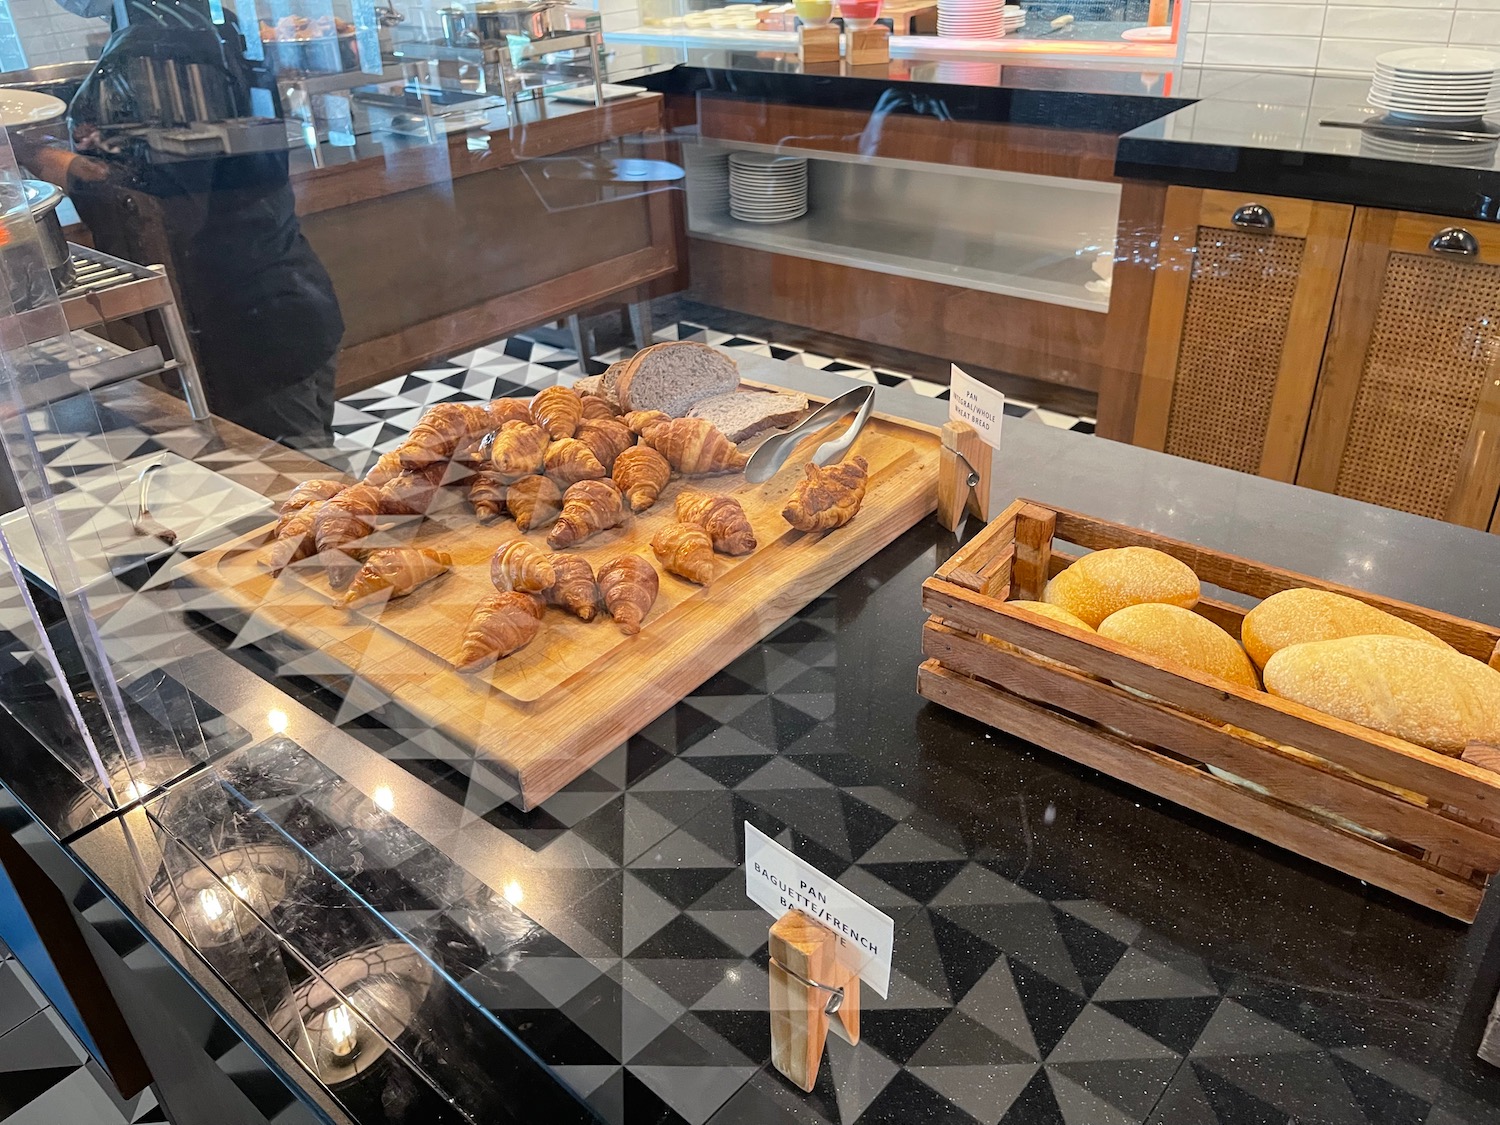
(435, 248)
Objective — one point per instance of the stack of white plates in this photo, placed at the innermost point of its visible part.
(707, 180)
(1437, 84)
(766, 188)
(971, 19)
(1012, 18)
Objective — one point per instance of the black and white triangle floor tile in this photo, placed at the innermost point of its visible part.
(379, 417)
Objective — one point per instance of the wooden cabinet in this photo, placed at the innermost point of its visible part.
(1407, 412)
(1241, 302)
(1356, 351)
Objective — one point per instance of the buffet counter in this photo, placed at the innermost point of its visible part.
(1066, 948)
(1250, 270)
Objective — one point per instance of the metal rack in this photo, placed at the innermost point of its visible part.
(108, 289)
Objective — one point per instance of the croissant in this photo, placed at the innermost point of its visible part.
(386, 467)
(685, 549)
(308, 492)
(395, 572)
(534, 501)
(517, 565)
(474, 455)
(487, 494)
(629, 586)
(720, 516)
(607, 438)
(292, 540)
(827, 498)
(499, 625)
(600, 408)
(641, 473)
(575, 589)
(503, 410)
(639, 421)
(407, 494)
(439, 433)
(519, 450)
(694, 447)
(589, 507)
(343, 522)
(570, 461)
(557, 410)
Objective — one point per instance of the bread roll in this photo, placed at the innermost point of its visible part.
(1052, 612)
(1101, 583)
(1425, 693)
(1174, 635)
(1294, 617)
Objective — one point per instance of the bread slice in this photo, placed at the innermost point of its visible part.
(673, 377)
(744, 414)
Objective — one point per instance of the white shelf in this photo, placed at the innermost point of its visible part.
(1010, 233)
(1036, 271)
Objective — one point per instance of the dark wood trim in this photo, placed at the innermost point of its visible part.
(1052, 343)
(374, 360)
(972, 144)
(388, 173)
(49, 921)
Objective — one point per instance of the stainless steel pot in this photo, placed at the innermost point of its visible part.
(498, 21)
(34, 267)
(42, 199)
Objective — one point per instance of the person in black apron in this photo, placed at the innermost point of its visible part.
(258, 303)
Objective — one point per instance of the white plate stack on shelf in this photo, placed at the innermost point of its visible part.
(1012, 18)
(971, 19)
(707, 180)
(1436, 85)
(767, 188)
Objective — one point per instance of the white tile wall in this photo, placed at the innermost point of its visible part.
(1335, 37)
(51, 34)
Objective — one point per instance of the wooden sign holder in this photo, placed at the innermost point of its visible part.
(963, 475)
(809, 983)
(818, 44)
(869, 46)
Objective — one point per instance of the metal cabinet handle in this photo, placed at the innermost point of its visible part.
(1253, 216)
(1454, 240)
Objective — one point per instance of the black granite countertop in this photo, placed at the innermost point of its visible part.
(1235, 130)
(1067, 949)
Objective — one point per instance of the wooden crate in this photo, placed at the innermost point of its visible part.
(1400, 816)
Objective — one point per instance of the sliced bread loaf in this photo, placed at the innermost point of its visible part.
(672, 377)
(744, 414)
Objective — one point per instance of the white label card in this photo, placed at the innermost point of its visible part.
(979, 405)
(777, 881)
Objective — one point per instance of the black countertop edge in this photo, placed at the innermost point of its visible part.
(1085, 111)
(1300, 172)
(1470, 193)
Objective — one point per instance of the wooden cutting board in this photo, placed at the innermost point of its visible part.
(544, 715)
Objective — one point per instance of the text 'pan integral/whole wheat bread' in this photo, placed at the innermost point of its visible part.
(675, 376)
(1295, 617)
(1425, 693)
(744, 414)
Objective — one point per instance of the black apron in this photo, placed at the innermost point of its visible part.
(258, 303)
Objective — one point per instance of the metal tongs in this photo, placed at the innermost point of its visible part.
(774, 451)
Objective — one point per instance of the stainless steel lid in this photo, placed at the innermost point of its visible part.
(41, 197)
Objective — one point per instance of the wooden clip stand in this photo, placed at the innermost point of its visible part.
(818, 44)
(963, 453)
(799, 1012)
(869, 46)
